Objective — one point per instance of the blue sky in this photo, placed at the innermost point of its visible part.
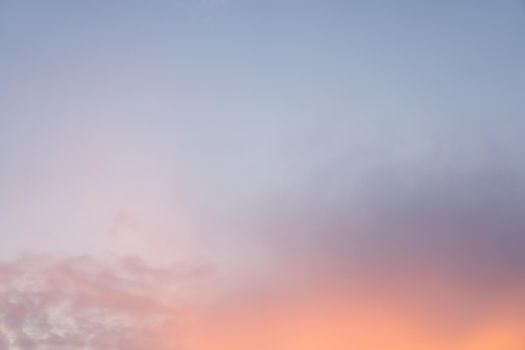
(234, 102)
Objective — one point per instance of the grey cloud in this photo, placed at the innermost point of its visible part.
(455, 209)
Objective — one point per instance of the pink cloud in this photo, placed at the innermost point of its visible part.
(85, 303)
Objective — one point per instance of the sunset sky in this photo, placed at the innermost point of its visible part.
(262, 175)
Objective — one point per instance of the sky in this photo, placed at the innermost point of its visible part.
(244, 174)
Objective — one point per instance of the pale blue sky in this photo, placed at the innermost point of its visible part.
(197, 118)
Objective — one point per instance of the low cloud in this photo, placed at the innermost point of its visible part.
(446, 213)
(86, 303)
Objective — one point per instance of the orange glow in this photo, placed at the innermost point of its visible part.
(336, 321)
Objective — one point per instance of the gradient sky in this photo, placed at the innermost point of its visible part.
(350, 168)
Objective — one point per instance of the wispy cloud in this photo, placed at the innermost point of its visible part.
(85, 303)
